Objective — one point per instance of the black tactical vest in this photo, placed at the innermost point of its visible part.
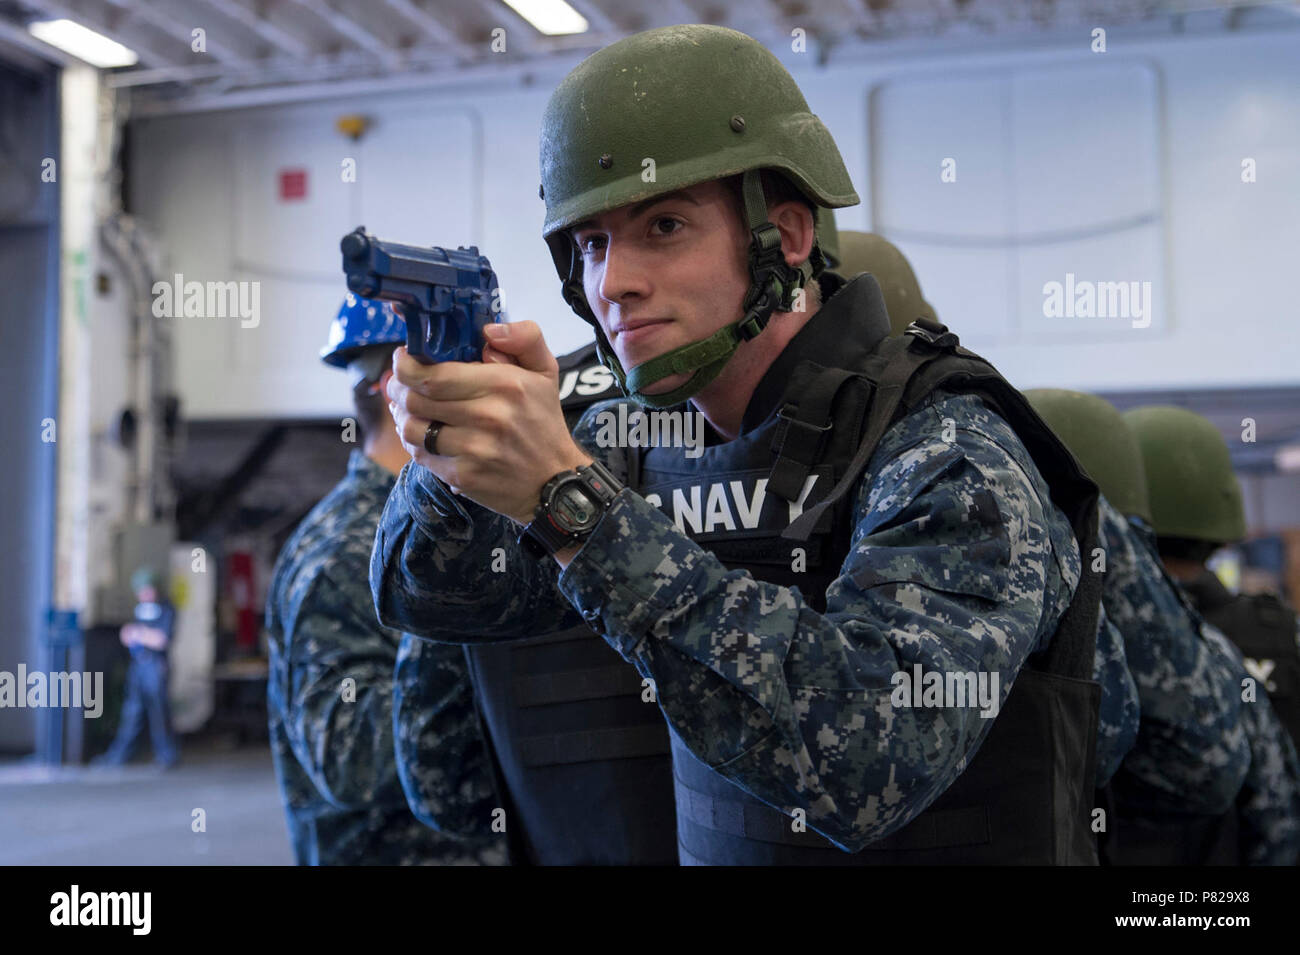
(1026, 796)
(1201, 840)
(1264, 630)
(1135, 837)
(580, 760)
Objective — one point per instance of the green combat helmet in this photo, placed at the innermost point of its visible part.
(1193, 490)
(1095, 432)
(867, 252)
(693, 103)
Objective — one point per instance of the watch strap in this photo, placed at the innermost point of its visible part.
(543, 537)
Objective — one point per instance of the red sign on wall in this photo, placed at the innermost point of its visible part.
(293, 184)
(243, 596)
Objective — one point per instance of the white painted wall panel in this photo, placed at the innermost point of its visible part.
(1156, 128)
(217, 201)
(920, 123)
(1041, 195)
(274, 235)
(1084, 145)
(421, 178)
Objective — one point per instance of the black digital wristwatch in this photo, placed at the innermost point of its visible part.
(572, 504)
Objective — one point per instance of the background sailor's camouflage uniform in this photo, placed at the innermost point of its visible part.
(1191, 754)
(444, 767)
(1268, 806)
(955, 564)
(334, 759)
(1118, 718)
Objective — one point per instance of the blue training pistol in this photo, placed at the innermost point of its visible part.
(446, 296)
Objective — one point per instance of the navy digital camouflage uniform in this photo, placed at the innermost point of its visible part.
(442, 762)
(1191, 754)
(335, 758)
(1120, 712)
(958, 561)
(1268, 806)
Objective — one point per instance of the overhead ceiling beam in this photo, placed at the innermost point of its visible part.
(275, 36)
(422, 18)
(355, 31)
(522, 35)
(41, 52)
(173, 26)
(485, 75)
(105, 21)
(168, 74)
(596, 18)
(321, 66)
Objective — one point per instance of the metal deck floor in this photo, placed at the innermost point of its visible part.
(140, 815)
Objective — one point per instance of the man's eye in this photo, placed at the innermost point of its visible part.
(672, 225)
(590, 243)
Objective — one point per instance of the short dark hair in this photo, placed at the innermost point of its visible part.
(371, 409)
(776, 189)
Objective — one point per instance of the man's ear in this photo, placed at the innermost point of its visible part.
(795, 222)
(381, 386)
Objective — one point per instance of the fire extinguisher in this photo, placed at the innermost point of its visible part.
(243, 596)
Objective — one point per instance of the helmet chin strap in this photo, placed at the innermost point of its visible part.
(773, 287)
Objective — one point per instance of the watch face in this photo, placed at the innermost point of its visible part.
(572, 508)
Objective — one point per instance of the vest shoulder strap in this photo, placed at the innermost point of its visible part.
(904, 371)
(890, 369)
(801, 436)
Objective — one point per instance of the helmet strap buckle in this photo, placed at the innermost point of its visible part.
(750, 326)
(765, 251)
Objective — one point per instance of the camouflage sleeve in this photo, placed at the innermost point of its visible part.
(1191, 753)
(1269, 803)
(950, 567)
(442, 760)
(446, 568)
(1268, 807)
(341, 732)
(1117, 724)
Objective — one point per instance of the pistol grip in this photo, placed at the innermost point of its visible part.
(418, 334)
